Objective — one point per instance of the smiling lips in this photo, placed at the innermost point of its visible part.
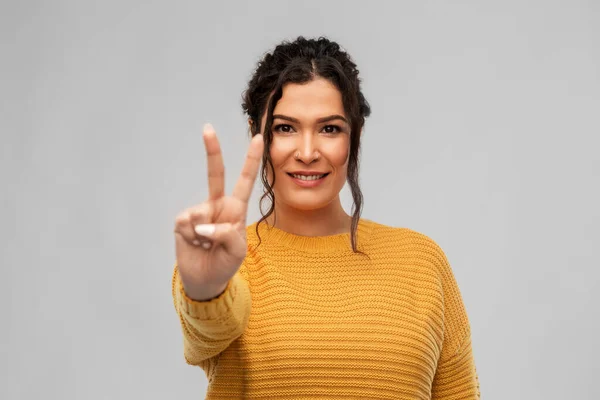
(308, 178)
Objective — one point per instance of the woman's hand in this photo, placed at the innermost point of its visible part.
(210, 238)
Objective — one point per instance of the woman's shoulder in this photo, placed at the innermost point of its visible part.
(404, 239)
(382, 230)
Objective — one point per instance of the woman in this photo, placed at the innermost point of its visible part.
(310, 302)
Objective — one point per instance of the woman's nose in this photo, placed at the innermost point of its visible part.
(307, 149)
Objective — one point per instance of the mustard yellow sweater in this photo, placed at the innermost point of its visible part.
(306, 318)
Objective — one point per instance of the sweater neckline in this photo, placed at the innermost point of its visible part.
(315, 244)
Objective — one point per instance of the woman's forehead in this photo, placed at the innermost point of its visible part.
(311, 100)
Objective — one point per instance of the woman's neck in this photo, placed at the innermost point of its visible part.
(330, 220)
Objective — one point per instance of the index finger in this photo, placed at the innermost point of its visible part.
(216, 169)
(243, 187)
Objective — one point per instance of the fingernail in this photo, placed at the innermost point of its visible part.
(206, 245)
(205, 229)
(196, 242)
(208, 127)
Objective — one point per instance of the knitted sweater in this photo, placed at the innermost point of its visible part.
(307, 318)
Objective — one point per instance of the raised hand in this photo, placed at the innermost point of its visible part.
(210, 238)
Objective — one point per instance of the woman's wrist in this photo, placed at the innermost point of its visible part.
(206, 293)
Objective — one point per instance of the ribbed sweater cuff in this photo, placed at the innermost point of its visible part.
(213, 309)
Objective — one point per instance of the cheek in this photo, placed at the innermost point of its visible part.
(338, 153)
(280, 151)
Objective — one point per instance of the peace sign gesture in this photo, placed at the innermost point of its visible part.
(210, 238)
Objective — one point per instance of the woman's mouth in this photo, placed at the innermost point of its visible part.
(308, 180)
(308, 177)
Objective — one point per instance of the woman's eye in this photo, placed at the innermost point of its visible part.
(283, 128)
(331, 129)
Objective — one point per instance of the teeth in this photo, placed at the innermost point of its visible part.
(308, 177)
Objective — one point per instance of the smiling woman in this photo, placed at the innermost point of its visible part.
(306, 99)
(310, 147)
(311, 302)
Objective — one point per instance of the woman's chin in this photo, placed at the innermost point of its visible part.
(306, 203)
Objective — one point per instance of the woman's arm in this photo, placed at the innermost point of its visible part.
(456, 374)
(209, 327)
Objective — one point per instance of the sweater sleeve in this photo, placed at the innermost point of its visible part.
(209, 327)
(456, 374)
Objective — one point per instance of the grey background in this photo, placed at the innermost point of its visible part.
(484, 136)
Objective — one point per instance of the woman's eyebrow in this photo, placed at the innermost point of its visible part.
(319, 121)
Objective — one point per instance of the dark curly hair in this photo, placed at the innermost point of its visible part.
(298, 62)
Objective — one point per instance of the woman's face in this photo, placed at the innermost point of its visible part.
(310, 146)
